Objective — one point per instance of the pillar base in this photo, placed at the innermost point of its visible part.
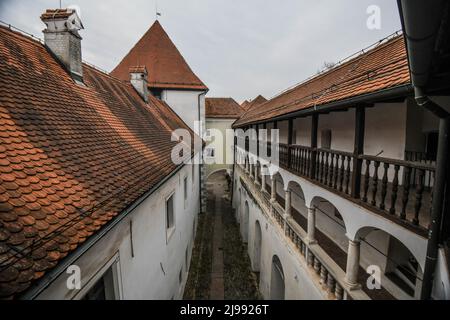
(352, 286)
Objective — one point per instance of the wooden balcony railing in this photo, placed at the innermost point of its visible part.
(398, 188)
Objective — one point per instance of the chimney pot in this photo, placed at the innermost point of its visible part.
(62, 38)
(139, 80)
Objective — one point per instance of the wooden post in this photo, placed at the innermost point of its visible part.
(314, 128)
(360, 119)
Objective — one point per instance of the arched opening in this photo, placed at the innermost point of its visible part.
(244, 224)
(257, 247)
(330, 230)
(278, 192)
(277, 286)
(400, 273)
(299, 210)
(258, 172)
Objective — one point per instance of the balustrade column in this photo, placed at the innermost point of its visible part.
(351, 276)
(311, 225)
(287, 203)
(251, 170)
(273, 193)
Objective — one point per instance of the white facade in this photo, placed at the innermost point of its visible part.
(186, 105)
(148, 262)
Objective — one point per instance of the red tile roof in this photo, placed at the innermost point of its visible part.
(222, 108)
(244, 104)
(253, 103)
(383, 67)
(166, 66)
(72, 157)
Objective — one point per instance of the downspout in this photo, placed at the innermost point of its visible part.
(440, 182)
(201, 152)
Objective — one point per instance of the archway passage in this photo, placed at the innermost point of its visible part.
(257, 247)
(277, 285)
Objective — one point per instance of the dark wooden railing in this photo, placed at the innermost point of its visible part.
(400, 188)
(387, 185)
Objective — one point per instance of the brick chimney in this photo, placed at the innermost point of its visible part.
(139, 80)
(62, 38)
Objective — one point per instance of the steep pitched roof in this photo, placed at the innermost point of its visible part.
(244, 104)
(255, 102)
(222, 108)
(72, 157)
(383, 67)
(165, 64)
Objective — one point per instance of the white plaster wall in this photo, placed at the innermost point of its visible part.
(153, 271)
(223, 146)
(185, 104)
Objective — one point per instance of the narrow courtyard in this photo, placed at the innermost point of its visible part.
(220, 267)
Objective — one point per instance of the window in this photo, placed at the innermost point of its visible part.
(103, 289)
(170, 217)
(185, 189)
(193, 173)
(326, 139)
(180, 276)
(210, 152)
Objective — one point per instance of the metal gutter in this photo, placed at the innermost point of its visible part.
(52, 275)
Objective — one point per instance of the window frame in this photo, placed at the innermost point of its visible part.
(170, 230)
(114, 265)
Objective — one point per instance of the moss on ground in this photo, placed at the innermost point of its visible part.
(240, 281)
(199, 279)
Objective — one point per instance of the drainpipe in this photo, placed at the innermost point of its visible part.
(201, 152)
(437, 208)
(438, 191)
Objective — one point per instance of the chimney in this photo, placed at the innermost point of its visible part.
(62, 38)
(139, 80)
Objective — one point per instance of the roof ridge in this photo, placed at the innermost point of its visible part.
(374, 47)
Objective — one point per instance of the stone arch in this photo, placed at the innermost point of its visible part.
(395, 259)
(277, 280)
(330, 230)
(257, 247)
(216, 172)
(279, 188)
(299, 210)
(258, 172)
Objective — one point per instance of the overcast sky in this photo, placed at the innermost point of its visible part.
(239, 48)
